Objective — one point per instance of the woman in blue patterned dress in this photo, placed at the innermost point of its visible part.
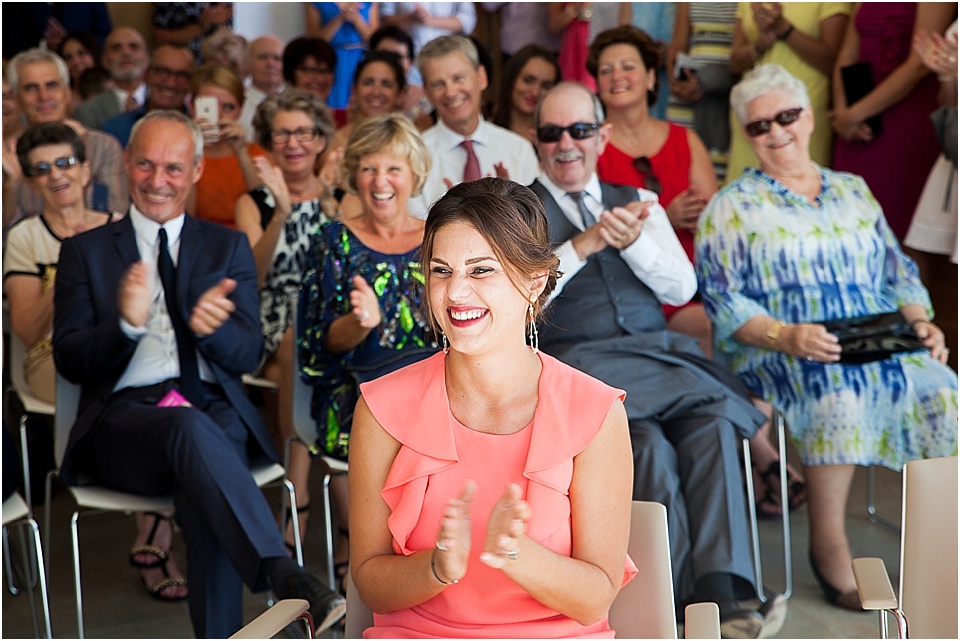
(361, 304)
(786, 248)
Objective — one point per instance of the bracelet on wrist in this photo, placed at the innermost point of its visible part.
(785, 34)
(773, 332)
(433, 568)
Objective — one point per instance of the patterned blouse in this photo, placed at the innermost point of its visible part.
(762, 249)
(404, 335)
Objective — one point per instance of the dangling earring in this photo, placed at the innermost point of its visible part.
(444, 343)
(533, 336)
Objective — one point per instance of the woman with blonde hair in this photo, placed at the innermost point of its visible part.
(229, 171)
(361, 305)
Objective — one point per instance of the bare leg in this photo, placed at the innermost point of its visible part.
(279, 368)
(828, 489)
(693, 321)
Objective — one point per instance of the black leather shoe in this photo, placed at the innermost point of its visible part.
(326, 606)
(848, 600)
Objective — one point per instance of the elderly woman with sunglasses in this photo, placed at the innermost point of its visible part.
(785, 249)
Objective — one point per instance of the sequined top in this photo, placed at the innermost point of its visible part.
(403, 336)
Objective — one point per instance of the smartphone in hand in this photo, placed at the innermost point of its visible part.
(206, 108)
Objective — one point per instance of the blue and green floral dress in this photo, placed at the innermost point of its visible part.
(404, 335)
(762, 249)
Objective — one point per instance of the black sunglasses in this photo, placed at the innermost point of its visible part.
(577, 131)
(650, 182)
(784, 118)
(44, 168)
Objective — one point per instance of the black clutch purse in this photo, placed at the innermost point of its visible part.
(858, 82)
(865, 339)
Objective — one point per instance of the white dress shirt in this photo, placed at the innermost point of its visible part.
(140, 93)
(155, 359)
(251, 100)
(491, 144)
(655, 257)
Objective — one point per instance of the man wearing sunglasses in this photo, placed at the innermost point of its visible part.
(620, 261)
(463, 145)
(168, 83)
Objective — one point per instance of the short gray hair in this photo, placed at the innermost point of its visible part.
(446, 45)
(33, 56)
(597, 105)
(291, 99)
(760, 81)
(173, 116)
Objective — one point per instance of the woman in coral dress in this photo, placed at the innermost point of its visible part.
(490, 484)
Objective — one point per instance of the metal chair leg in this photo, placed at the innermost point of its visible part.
(75, 539)
(871, 504)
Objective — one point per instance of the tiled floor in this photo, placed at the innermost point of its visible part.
(117, 606)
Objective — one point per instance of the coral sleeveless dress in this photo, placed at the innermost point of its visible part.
(438, 454)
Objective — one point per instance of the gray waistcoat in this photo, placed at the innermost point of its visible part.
(604, 299)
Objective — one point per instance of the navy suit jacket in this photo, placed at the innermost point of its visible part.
(91, 350)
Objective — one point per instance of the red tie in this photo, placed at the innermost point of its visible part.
(471, 170)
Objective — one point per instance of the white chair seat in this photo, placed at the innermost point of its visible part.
(14, 509)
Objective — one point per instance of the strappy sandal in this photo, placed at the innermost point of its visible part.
(149, 548)
(769, 503)
(156, 590)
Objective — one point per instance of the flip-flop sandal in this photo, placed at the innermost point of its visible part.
(148, 548)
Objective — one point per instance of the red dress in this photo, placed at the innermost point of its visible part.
(671, 166)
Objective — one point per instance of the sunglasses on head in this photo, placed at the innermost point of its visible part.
(44, 168)
(784, 118)
(650, 182)
(577, 131)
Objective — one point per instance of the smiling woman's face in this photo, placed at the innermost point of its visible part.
(783, 147)
(61, 187)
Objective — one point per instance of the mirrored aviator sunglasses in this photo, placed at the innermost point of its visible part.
(44, 168)
(577, 131)
(784, 118)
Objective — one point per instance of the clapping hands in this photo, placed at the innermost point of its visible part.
(506, 529)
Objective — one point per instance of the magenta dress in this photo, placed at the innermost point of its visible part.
(438, 454)
(896, 163)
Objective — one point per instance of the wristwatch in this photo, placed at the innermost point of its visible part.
(773, 332)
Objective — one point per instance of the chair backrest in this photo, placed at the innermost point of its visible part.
(68, 400)
(359, 616)
(645, 607)
(928, 548)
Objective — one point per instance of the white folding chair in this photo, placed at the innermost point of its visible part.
(279, 616)
(18, 513)
(306, 430)
(928, 557)
(92, 499)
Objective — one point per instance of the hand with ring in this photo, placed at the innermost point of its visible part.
(506, 529)
(449, 561)
(362, 300)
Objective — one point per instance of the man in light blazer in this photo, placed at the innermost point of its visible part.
(153, 311)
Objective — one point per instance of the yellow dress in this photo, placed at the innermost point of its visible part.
(805, 17)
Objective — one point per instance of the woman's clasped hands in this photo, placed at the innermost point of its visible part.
(506, 533)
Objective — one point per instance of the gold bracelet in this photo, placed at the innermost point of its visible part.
(773, 332)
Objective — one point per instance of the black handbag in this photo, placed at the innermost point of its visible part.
(865, 339)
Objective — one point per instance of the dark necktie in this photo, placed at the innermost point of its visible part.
(190, 383)
(471, 171)
(588, 218)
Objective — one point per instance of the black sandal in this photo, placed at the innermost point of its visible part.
(796, 490)
(149, 548)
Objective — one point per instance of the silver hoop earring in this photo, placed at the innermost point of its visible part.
(533, 336)
(444, 343)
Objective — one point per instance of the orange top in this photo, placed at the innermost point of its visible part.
(438, 454)
(221, 186)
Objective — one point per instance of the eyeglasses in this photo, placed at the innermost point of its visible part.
(44, 168)
(167, 72)
(316, 71)
(304, 134)
(577, 131)
(650, 182)
(784, 118)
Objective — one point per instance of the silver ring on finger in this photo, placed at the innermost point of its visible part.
(364, 316)
(441, 546)
(810, 358)
(513, 556)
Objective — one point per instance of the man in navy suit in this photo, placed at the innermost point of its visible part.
(156, 305)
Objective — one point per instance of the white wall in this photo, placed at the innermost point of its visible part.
(283, 19)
